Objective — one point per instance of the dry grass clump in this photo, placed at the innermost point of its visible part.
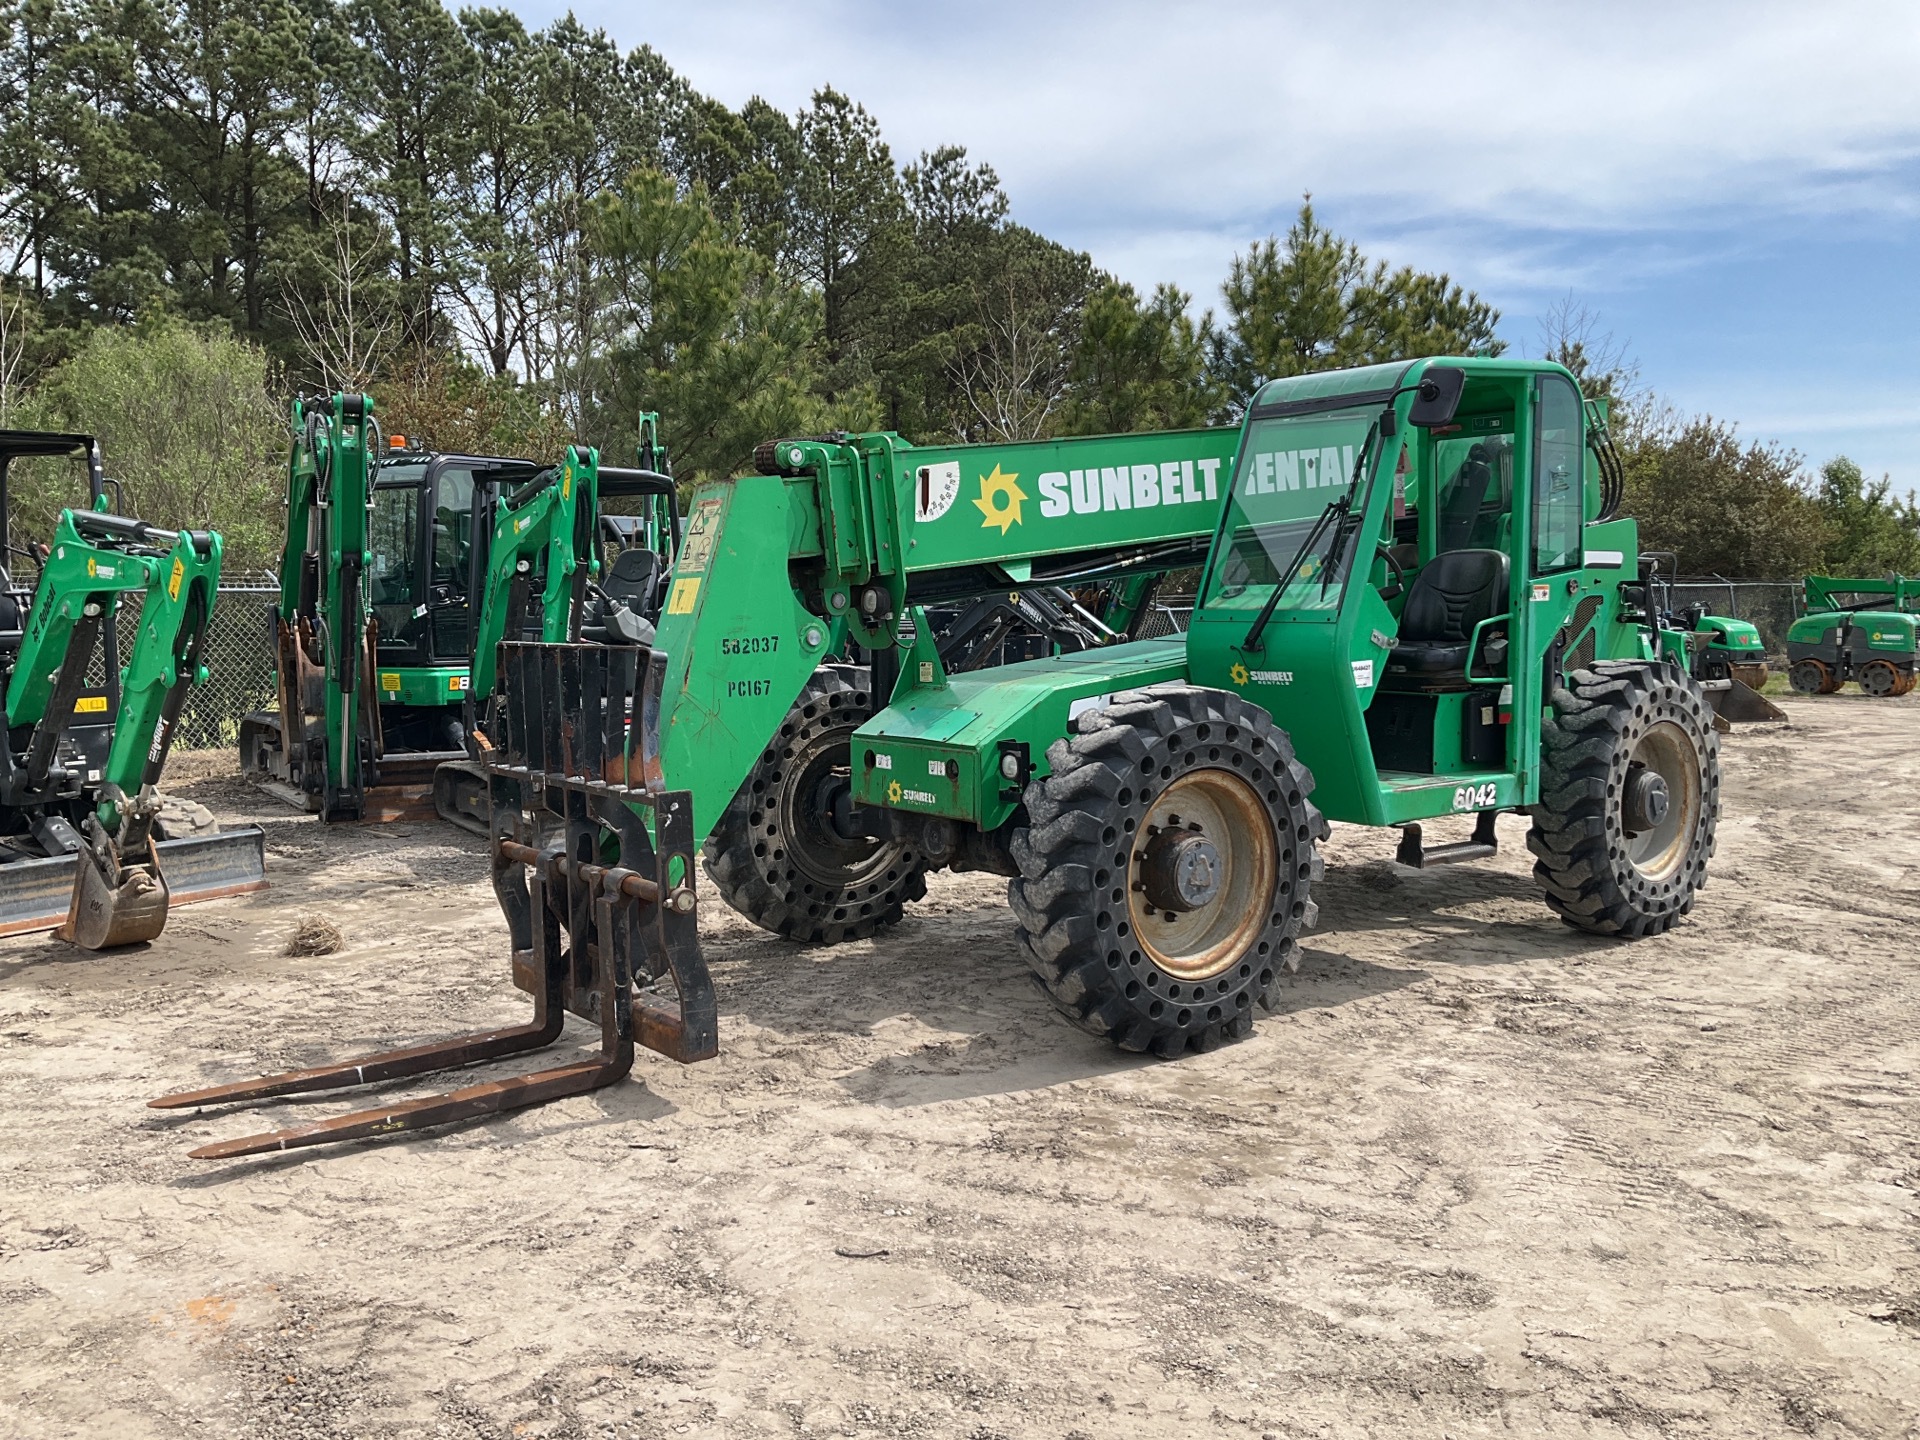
(314, 935)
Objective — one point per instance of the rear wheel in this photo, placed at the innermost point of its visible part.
(1167, 870)
(1812, 677)
(1880, 679)
(1629, 798)
(786, 853)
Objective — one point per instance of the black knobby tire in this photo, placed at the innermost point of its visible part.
(1088, 927)
(777, 855)
(1606, 864)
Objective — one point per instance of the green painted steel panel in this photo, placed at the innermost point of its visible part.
(965, 722)
(421, 685)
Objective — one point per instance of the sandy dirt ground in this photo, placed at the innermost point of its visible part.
(1480, 1175)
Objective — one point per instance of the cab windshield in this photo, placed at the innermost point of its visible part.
(1291, 470)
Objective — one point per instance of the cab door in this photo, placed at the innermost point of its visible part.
(1551, 557)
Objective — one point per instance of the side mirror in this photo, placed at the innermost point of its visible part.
(1438, 397)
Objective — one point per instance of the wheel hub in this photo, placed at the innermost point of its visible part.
(1647, 801)
(1204, 874)
(1181, 872)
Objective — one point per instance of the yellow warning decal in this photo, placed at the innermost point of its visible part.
(457, 684)
(173, 580)
(390, 681)
(90, 705)
(684, 591)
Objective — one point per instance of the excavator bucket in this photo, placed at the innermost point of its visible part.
(76, 897)
(593, 865)
(115, 903)
(1735, 702)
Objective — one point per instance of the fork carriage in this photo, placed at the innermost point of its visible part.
(593, 866)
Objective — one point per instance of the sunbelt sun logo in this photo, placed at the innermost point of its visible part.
(999, 500)
(1097, 490)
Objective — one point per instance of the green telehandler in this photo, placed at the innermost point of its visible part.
(1856, 628)
(1415, 604)
(87, 843)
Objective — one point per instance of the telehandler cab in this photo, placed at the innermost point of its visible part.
(1414, 595)
(86, 842)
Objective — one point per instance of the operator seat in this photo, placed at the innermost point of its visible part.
(1455, 592)
(632, 579)
(1461, 509)
(617, 615)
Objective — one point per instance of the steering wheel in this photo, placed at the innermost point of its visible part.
(1384, 551)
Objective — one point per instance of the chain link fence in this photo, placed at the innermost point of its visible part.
(238, 654)
(1772, 605)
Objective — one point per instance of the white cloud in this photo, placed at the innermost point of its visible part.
(1528, 147)
(1552, 115)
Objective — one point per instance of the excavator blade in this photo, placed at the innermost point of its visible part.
(68, 893)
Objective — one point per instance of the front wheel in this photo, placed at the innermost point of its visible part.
(1813, 677)
(1629, 798)
(1167, 871)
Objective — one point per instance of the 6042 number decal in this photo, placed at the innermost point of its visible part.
(1475, 797)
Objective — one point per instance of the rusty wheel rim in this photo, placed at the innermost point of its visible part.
(1209, 835)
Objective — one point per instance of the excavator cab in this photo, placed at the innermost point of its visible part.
(427, 509)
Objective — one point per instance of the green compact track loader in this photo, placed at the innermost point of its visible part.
(1858, 629)
(87, 844)
(1414, 605)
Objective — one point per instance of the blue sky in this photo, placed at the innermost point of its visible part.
(1732, 189)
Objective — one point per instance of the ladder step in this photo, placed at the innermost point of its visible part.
(1484, 845)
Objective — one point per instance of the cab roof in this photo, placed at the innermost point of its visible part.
(1372, 384)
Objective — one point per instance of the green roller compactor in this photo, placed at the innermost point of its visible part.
(1414, 605)
(1856, 628)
